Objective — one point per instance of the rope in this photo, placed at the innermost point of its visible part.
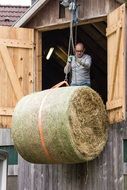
(76, 29)
(71, 45)
(72, 40)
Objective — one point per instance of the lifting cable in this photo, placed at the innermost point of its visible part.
(73, 7)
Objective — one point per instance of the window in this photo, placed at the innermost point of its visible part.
(61, 11)
(125, 150)
(12, 154)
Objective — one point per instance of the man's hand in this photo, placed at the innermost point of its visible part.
(70, 59)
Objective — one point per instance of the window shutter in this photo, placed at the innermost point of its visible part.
(116, 40)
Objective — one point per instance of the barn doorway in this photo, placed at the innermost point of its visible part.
(94, 37)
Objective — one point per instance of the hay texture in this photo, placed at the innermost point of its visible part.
(63, 125)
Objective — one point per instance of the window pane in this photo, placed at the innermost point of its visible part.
(12, 154)
(125, 150)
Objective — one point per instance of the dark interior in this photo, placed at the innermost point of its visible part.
(94, 37)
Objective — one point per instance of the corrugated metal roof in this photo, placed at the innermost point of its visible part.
(9, 14)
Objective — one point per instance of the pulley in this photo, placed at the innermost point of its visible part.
(65, 3)
(73, 8)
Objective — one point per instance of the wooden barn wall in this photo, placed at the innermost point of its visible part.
(46, 15)
(88, 9)
(105, 172)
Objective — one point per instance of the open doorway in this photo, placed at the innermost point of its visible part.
(94, 37)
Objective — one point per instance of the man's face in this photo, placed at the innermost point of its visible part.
(79, 50)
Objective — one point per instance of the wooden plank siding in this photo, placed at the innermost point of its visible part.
(38, 61)
(105, 172)
(88, 9)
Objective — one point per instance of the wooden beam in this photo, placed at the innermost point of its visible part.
(16, 43)
(114, 104)
(11, 71)
(100, 27)
(6, 111)
(38, 60)
(96, 36)
(61, 54)
(113, 28)
(120, 1)
(63, 23)
(116, 56)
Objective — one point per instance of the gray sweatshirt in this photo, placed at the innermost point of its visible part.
(80, 68)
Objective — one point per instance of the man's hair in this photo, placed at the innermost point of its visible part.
(80, 43)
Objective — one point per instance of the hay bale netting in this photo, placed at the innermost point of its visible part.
(63, 125)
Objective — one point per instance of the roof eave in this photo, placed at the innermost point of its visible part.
(30, 13)
(121, 1)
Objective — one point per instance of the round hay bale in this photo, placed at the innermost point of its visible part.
(63, 125)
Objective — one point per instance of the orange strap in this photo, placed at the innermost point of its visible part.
(60, 84)
(40, 123)
(41, 133)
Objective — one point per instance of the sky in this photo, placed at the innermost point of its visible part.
(15, 2)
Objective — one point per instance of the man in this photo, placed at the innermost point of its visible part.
(79, 66)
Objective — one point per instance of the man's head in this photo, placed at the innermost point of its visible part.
(79, 50)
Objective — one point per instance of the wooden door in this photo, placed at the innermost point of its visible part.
(16, 69)
(116, 38)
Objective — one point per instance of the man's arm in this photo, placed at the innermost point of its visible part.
(86, 62)
(67, 68)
